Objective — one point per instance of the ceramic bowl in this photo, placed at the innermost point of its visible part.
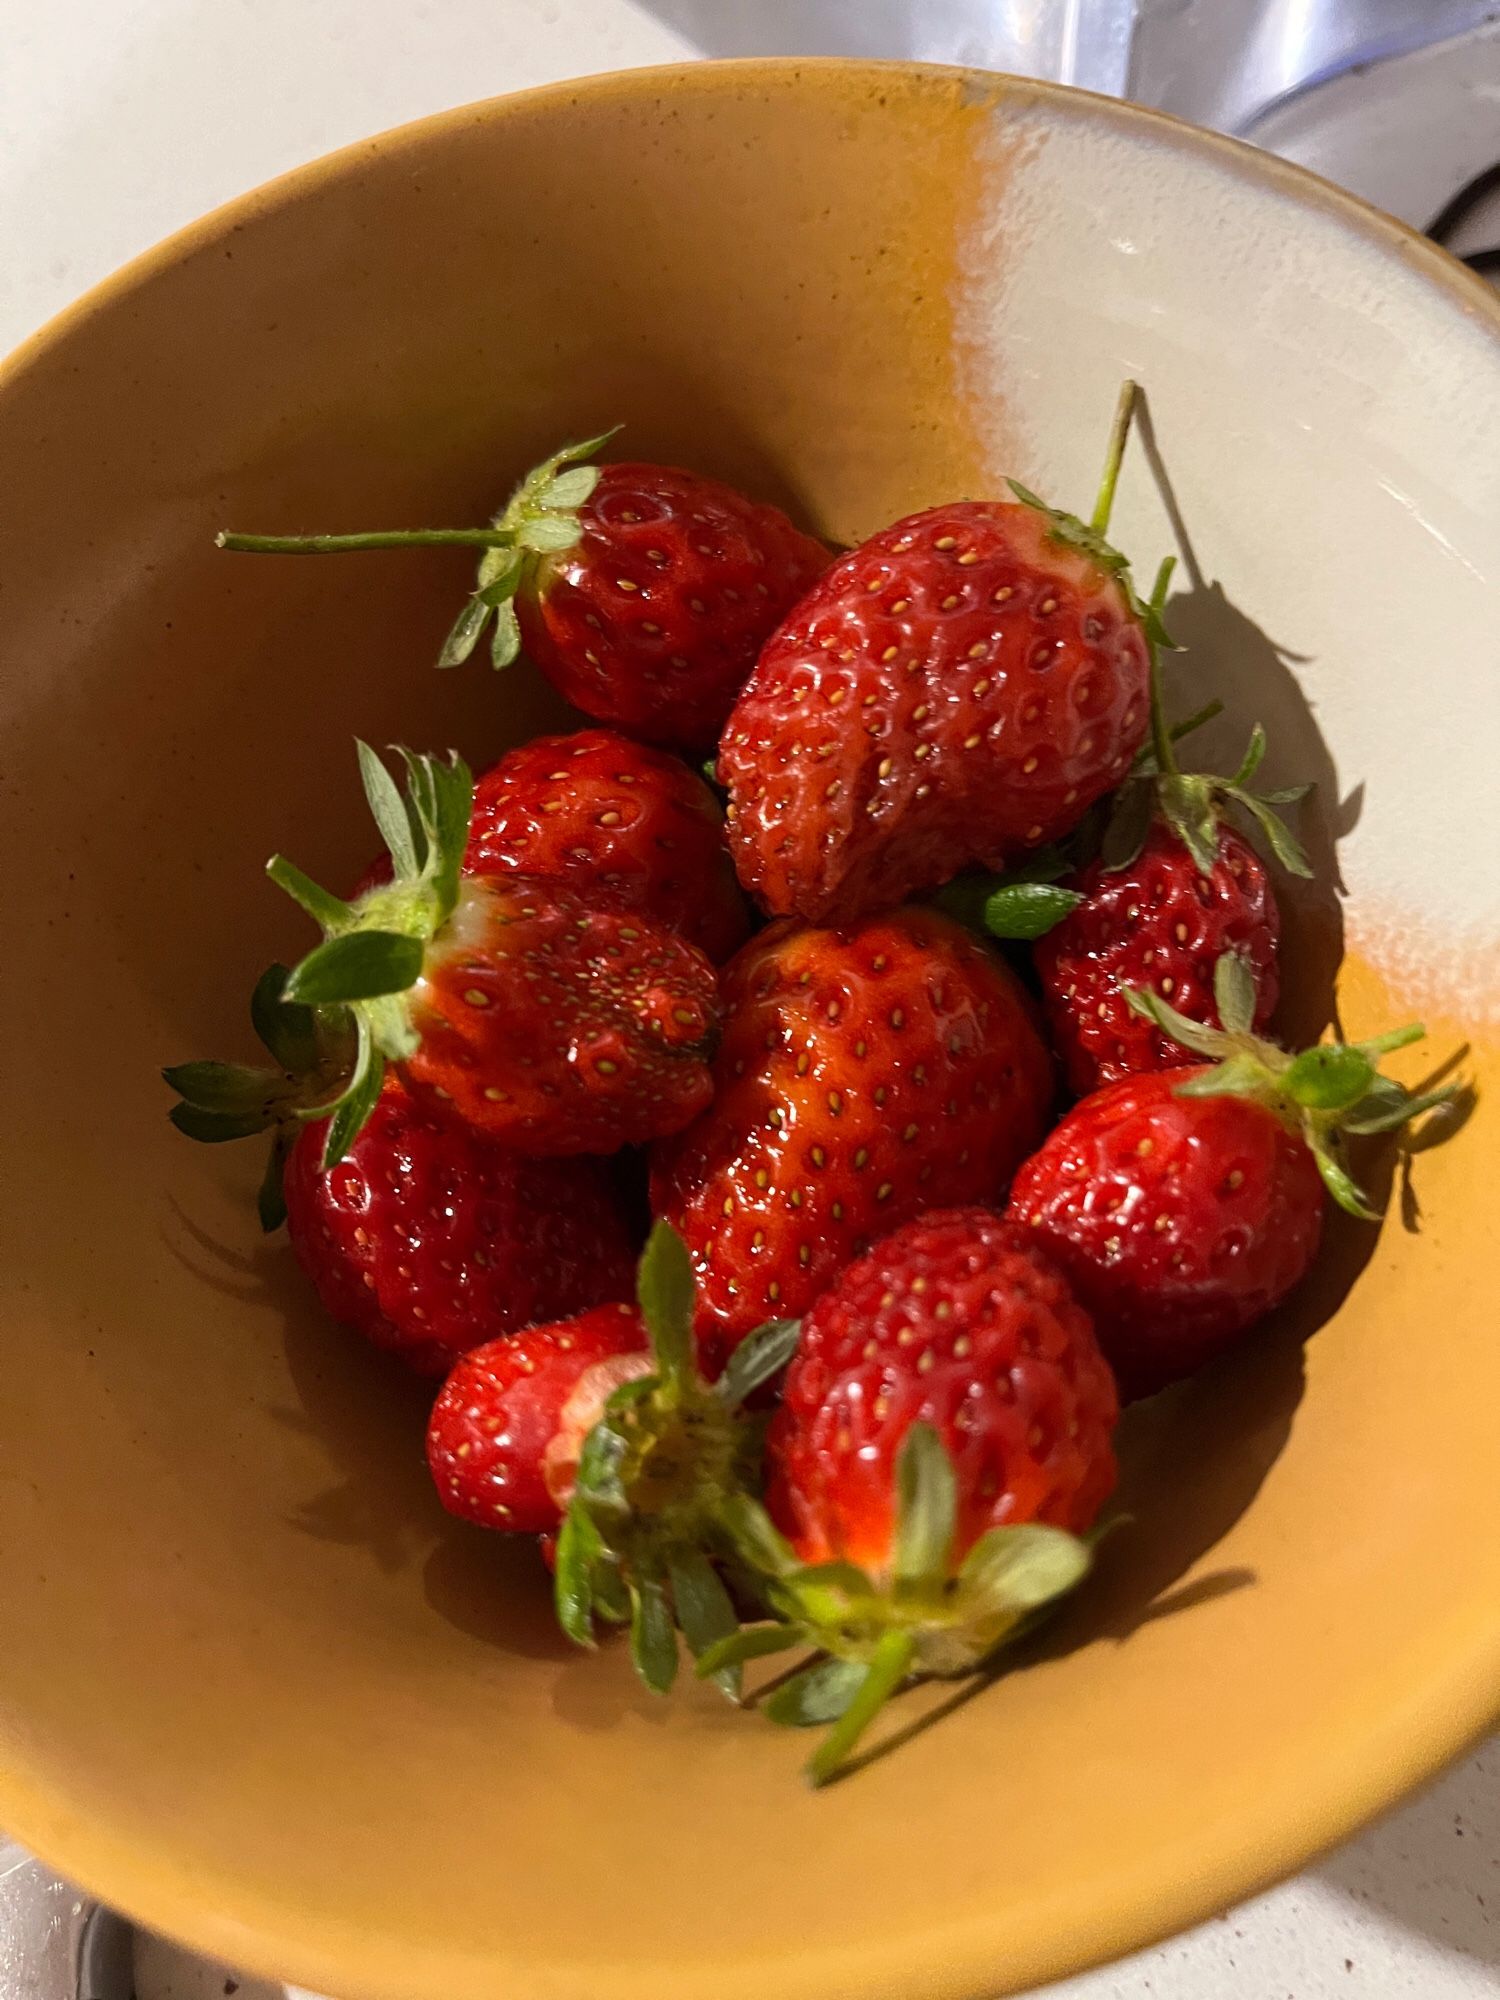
(254, 1687)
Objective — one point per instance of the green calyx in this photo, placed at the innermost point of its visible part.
(930, 1616)
(1325, 1094)
(657, 1477)
(312, 1050)
(1192, 803)
(373, 950)
(539, 519)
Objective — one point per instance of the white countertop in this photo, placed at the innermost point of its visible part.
(120, 120)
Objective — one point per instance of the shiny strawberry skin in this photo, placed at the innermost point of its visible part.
(430, 1240)
(654, 618)
(504, 1404)
(558, 1027)
(959, 689)
(865, 1074)
(1181, 1221)
(1160, 922)
(959, 1321)
(624, 826)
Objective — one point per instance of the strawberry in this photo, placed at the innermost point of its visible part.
(1185, 1204)
(958, 690)
(865, 1073)
(625, 827)
(1174, 888)
(552, 1025)
(431, 1239)
(944, 1440)
(505, 1405)
(644, 593)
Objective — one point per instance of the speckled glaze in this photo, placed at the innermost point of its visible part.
(253, 1686)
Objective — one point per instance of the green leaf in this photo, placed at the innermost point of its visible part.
(571, 488)
(357, 1102)
(828, 1594)
(500, 574)
(331, 913)
(1017, 1569)
(1242, 1075)
(1342, 1185)
(465, 632)
(389, 811)
(359, 965)
(1234, 993)
(756, 1539)
(1287, 849)
(653, 1643)
(597, 1479)
(820, 1694)
(288, 1031)
(1330, 1077)
(232, 1088)
(665, 1290)
(1148, 1003)
(448, 831)
(751, 1642)
(578, 1549)
(1189, 809)
(213, 1128)
(1028, 909)
(548, 534)
(1254, 754)
(1130, 820)
(1387, 1106)
(270, 1199)
(505, 640)
(887, 1670)
(705, 1613)
(926, 1507)
(759, 1356)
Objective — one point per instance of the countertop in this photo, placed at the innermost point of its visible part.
(121, 120)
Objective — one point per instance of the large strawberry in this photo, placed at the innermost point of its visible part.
(626, 827)
(643, 592)
(865, 1073)
(1174, 888)
(551, 1024)
(944, 1439)
(960, 689)
(1185, 1204)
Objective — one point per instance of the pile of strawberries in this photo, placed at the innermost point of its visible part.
(858, 1395)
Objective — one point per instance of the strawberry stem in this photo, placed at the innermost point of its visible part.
(1119, 432)
(379, 538)
(889, 1667)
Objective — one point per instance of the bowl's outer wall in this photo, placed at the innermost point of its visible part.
(253, 1686)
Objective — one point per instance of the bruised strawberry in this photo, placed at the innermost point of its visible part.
(958, 690)
(643, 592)
(865, 1073)
(503, 1407)
(430, 1239)
(1184, 1205)
(944, 1439)
(552, 1025)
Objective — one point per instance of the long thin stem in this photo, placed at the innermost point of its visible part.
(887, 1670)
(1119, 431)
(384, 538)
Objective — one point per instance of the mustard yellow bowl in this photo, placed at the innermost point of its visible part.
(254, 1688)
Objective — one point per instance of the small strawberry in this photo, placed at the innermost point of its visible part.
(865, 1074)
(644, 593)
(1185, 1204)
(958, 690)
(502, 1410)
(431, 1239)
(552, 1025)
(1175, 888)
(944, 1439)
(625, 827)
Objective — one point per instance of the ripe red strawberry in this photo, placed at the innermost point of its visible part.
(430, 1238)
(643, 592)
(865, 1074)
(1184, 1205)
(503, 1408)
(1175, 888)
(552, 1025)
(625, 827)
(944, 1439)
(1160, 921)
(958, 690)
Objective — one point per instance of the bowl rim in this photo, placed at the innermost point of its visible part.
(1148, 1900)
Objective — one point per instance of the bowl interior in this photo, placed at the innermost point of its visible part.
(254, 1686)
